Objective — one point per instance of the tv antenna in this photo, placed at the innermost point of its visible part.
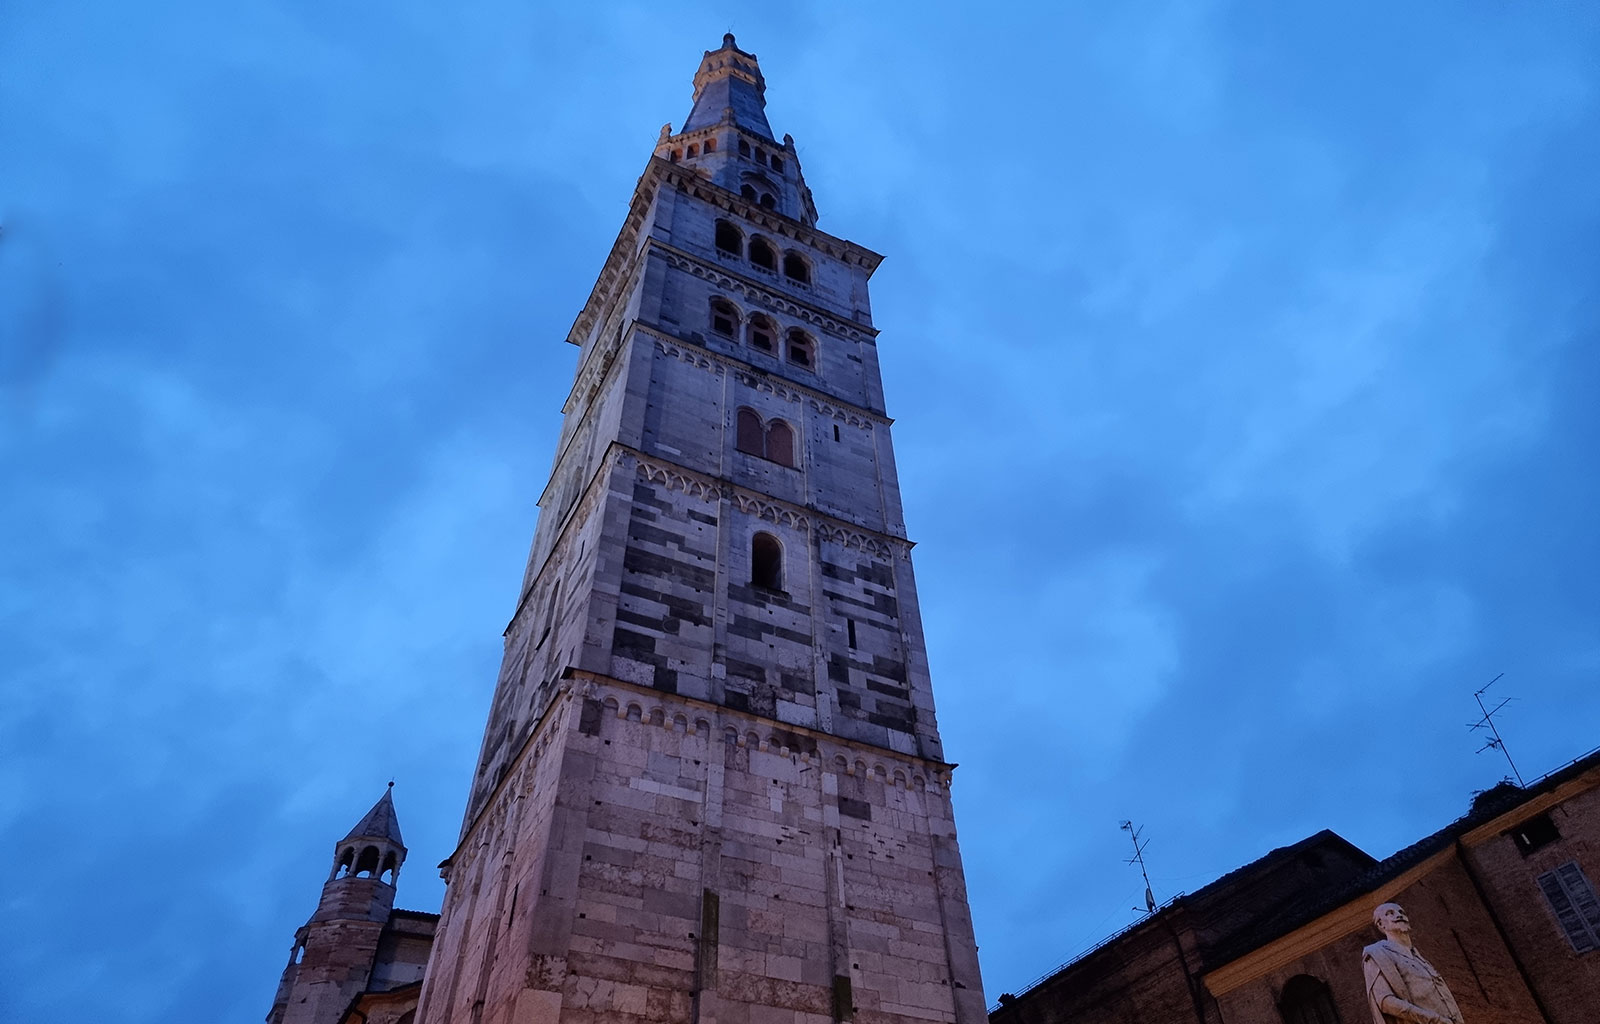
(1494, 742)
(1138, 858)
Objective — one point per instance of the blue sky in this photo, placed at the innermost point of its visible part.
(1243, 356)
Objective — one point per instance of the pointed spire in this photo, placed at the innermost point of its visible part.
(380, 823)
(729, 84)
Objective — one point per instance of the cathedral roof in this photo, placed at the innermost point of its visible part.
(381, 822)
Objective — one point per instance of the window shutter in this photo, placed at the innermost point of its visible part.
(1573, 901)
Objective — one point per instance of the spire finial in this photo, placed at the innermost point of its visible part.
(727, 41)
(391, 783)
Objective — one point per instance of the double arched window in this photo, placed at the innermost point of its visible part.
(770, 439)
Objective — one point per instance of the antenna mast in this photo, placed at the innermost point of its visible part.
(1138, 858)
(1494, 742)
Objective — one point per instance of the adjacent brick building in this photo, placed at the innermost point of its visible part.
(1502, 901)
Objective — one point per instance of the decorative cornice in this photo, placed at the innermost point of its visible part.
(764, 506)
(754, 291)
(718, 363)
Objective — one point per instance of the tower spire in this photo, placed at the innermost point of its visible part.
(729, 82)
(379, 823)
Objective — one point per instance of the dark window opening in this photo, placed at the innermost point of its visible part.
(744, 148)
(747, 192)
(762, 254)
(724, 318)
(780, 443)
(851, 623)
(800, 349)
(694, 151)
(836, 431)
(794, 268)
(763, 335)
(1307, 1000)
(711, 145)
(777, 163)
(748, 435)
(677, 155)
(1534, 833)
(768, 202)
(766, 561)
(367, 863)
(729, 238)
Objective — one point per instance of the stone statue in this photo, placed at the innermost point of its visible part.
(1402, 987)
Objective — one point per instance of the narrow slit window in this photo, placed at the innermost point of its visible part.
(836, 431)
(851, 624)
(766, 561)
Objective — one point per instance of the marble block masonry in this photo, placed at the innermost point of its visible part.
(711, 787)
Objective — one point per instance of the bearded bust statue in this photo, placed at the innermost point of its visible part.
(1402, 987)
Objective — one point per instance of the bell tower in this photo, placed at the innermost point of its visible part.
(711, 786)
(333, 955)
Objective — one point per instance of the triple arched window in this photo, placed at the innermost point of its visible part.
(759, 250)
(771, 439)
(759, 331)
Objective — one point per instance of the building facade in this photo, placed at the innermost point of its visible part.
(711, 786)
(1502, 902)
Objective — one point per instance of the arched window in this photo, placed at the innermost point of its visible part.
(724, 318)
(729, 238)
(744, 148)
(694, 151)
(766, 561)
(748, 435)
(347, 860)
(769, 202)
(800, 349)
(389, 868)
(711, 145)
(367, 864)
(780, 443)
(762, 254)
(794, 268)
(1307, 1000)
(747, 192)
(763, 334)
(777, 163)
(677, 155)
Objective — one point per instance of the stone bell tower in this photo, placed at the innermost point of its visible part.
(711, 787)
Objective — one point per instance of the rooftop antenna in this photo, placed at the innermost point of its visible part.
(1494, 742)
(1138, 858)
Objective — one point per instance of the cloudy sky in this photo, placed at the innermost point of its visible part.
(1244, 362)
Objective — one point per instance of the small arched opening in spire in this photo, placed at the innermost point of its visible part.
(762, 254)
(347, 859)
(694, 151)
(724, 317)
(800, 349)
(744, 148)
(390, 870)
(367, 863)
(795, 267)
(766, 561)
(729, 238)
(677, 155)
(776, 163)
(710, 146)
